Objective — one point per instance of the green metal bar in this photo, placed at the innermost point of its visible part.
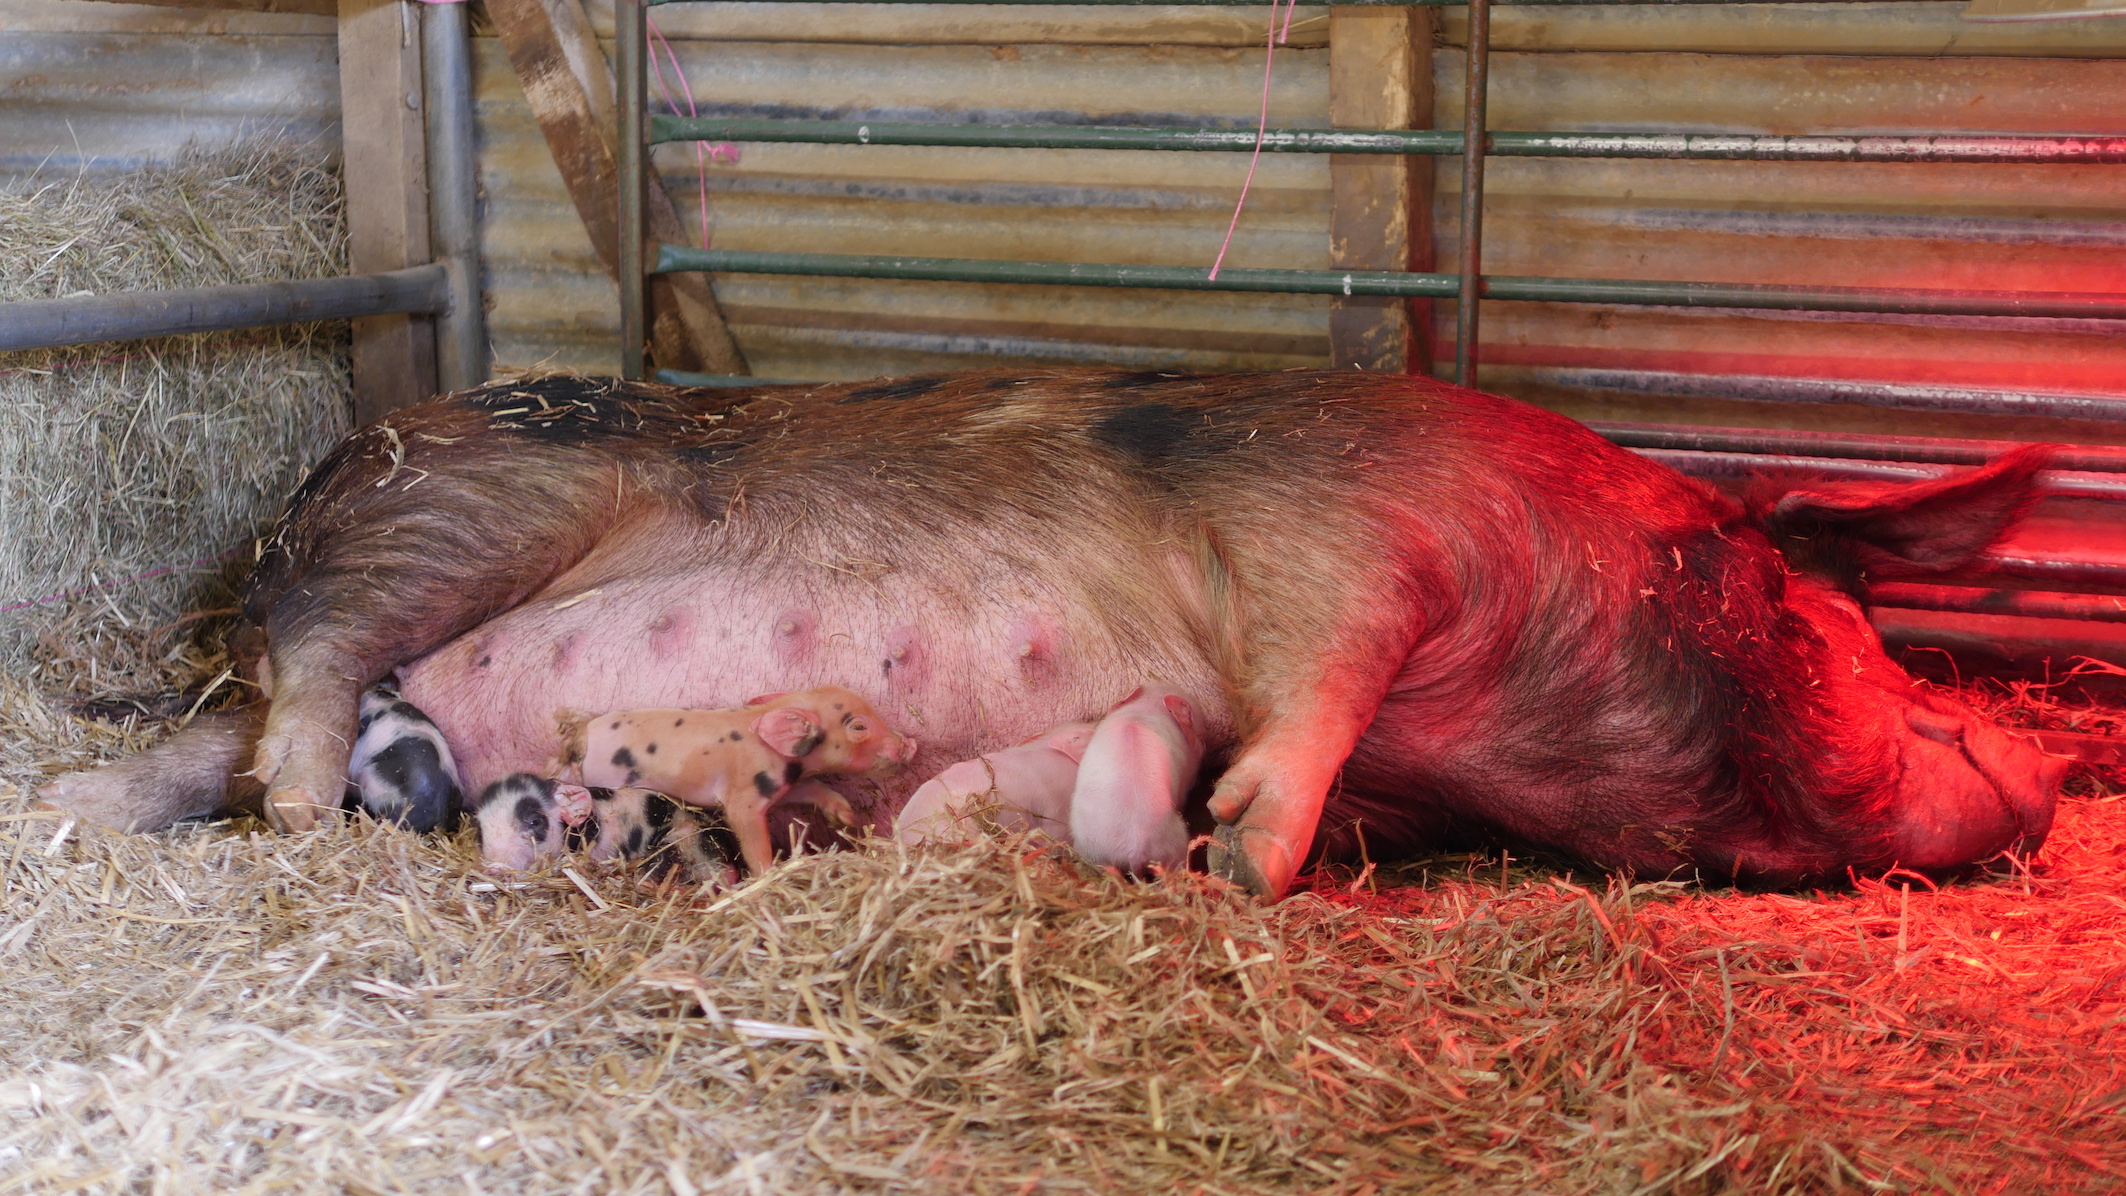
(2075, 305)
(690, 378)
(2069, 148)
(630, 18)
(1469, 242)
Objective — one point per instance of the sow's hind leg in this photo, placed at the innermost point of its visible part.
(414, 531)
(199, 770)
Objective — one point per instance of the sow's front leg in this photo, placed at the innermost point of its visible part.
(1318, 644)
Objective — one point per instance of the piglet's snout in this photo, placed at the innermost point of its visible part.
(1969, 791)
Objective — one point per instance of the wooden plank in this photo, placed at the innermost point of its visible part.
(1380, 77)
(387, 195)
(1923, 29)
(983, 25)
(569, 85)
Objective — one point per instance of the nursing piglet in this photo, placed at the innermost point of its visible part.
(1022, 789)
(523, 817)
(672, 838)
(744, 760)
(1125, 808)
(401, 770)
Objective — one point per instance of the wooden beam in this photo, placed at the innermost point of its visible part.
(385, 164)
(1380, 77)
(569, 84)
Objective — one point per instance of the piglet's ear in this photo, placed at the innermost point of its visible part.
(766, 698)
(1911, 529)
(788, 733)
(1184, 716)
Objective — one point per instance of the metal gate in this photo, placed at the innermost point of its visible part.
(1702, 451)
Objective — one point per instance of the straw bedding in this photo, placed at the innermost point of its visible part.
(217, 1008)
(135, 457)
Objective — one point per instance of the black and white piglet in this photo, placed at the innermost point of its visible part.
(401, 770)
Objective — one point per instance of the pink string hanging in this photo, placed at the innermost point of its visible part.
(1262, 124)
(704, 152)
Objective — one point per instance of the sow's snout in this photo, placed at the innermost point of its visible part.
(1969, 791)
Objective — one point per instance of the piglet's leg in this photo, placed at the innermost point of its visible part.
(747, 815)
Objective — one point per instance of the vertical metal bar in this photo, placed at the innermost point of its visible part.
(453, 194)
(1475, 142)
(634, 154)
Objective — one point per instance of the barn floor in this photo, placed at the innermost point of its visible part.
(359, 1010)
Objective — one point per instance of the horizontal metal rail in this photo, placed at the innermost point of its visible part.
(55, 323)
(1742, 466)
(1847, 445)
(2027, 604)
(2094, 305)
(2068, 148)
(1906, 396)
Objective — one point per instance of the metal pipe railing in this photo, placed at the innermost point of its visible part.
(2094, 305)
(55, 323)
(633, 84)
(1745, 466)
(1357, 3)
(1816, 446)
(2027, 604)
(453, 193)
(2063, 148)
(1906, 396)
(1476, 142)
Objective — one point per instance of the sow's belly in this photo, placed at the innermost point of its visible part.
(960, 673)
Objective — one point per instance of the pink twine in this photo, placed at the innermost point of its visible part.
(722, 151)
(1262, 125)
(205, 560)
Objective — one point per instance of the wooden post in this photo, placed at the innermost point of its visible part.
(570, 87)
(1380, 77)
(385, 163)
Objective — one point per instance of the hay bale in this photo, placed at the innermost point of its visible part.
(165, 456)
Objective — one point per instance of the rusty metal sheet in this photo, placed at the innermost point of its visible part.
(965, 24)
(104, 101)
(1923, 28)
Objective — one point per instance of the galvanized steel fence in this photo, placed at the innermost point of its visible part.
(1700, 451)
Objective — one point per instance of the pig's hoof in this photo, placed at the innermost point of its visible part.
(1254, 859)
(292, 810)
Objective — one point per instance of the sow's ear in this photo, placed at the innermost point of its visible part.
(789, 733)
(1903, 529)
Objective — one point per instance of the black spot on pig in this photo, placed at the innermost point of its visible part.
(530, 817)
(1153, 433)
(624, 759)
(765, 783)
(651, 750)
(737, 735)
(634, 842)
(905, 388)
(1141, 378)
(791, 771)
(486, 660)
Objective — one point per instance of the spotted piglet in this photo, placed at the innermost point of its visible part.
(524, 818)
(672, 838)
(1022, 789)
(744, 760)
(401, 770)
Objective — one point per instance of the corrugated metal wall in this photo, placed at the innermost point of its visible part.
(108, 84)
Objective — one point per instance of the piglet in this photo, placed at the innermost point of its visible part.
(744, 760)
(401, 770)
(676, 839)
(1022, 789)
(523, 818)
(1125, 808)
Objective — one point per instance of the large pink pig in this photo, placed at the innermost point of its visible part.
(1125, 810)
